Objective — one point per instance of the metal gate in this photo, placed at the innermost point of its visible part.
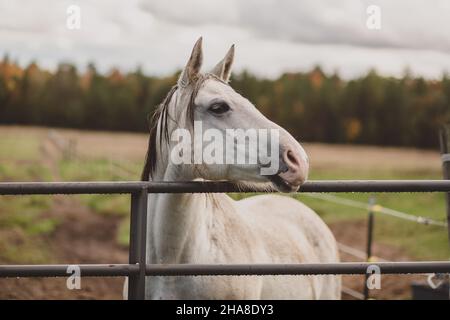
(137, 269)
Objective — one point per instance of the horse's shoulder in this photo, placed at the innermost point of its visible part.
(278, 209)
(280, 202)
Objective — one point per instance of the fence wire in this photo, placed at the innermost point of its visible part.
(378, 208)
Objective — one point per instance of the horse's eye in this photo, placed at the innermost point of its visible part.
(219, 108)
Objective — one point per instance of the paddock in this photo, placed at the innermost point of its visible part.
(137, 269)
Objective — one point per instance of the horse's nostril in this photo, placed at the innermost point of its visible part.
(292, 159)
(297, 169)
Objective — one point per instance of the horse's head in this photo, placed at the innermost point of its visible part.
(214, 133)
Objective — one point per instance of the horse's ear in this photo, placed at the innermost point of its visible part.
(223, 68)
(192, 69)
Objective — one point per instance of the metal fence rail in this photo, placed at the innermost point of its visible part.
(120, 270)
(23, 188)
(60, 270)
(137, 268)
(296, 269)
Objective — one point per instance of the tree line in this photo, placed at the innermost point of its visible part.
(313, 106)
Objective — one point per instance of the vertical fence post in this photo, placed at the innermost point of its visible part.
(137, 248)
(445, 155)
(370, 221)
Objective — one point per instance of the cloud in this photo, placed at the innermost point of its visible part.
(271, 36)
(320, 22)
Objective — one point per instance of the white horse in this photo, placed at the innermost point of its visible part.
(215, 229)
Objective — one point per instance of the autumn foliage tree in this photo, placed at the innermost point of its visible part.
(313, 106)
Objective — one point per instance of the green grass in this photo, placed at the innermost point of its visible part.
(123, 234)
(86, 170)
(108, 205)
(19, 147)
(113, 205)
(431, 205)
(378, 174)
(20, 158)
(99, 170)
(28, 171)
(22, 223)
(418, 241)
(22, 226)
(27, 250)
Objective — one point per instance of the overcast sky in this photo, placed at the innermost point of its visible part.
(271, 36)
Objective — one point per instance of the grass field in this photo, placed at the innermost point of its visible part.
(31, 154)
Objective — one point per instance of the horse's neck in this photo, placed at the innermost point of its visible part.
(178, 224)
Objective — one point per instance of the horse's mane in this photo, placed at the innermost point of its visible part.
(161, 113)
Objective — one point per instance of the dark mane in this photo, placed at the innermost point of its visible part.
(151, 156)
(161, 112)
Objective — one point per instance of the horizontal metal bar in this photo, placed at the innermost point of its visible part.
(61, 270)
(295, 269)
(117, 270)
(118, 187)
(20, 188)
